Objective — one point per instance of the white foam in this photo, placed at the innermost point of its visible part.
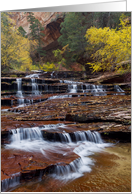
(31, 140)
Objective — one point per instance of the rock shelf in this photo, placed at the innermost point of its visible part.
(70, 108)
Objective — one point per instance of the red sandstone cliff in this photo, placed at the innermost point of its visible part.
(50, 21)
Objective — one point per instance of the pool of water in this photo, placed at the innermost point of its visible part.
(111, 173)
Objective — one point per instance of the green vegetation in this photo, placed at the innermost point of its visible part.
(22, 31)
(61, 60)
(73, 30)
(75, 37)
(100, 41)
(110, 47)
(36, 35)
(15, 49)
(48, 67)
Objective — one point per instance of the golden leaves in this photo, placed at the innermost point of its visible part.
(109, 46)
(14, 47)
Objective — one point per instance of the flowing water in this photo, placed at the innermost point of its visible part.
(22, 100)
(35, 90)
(83, 144)
(89, 148)
(73, 87)
(100, 167)
(19, 91)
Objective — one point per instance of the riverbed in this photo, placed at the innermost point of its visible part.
(111, 173)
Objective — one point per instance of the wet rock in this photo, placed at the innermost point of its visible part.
(110, 78)
(119, 136)
(8, 86)
(30, 165)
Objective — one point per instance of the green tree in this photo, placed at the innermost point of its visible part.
(36, 34)
(73, 31)
(22, 31)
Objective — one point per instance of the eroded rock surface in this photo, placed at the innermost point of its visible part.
(75, 107)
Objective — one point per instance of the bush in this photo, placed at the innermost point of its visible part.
(48, 67)
(109, 47)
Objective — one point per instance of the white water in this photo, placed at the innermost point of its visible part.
(19, 91)
(10, 183)
(72, 82)
(53, 126)
(52, 74)
(35, 90)
(96, 90)
(87, 143)
(118, 89)
(33, 75)
(72, 88)
(59, 96)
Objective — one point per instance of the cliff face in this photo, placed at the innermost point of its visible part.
(50, 21)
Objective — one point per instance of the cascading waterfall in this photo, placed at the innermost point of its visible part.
(86, 144)
(72, 88)
(35, 90)
(83, 143)
(118, 89)
(19, 91)
(26, 133)
(96, 90)
(80, 136)
(10, 183)
(52, 74)
(33, 75)
(65, 137)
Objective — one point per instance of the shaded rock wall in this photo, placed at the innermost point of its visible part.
(50, 21)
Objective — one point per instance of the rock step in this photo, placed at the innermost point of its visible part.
(18, 166)
(75, 132)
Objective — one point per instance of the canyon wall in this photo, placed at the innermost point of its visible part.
(50, 21)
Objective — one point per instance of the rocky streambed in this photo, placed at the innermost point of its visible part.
(54, 124)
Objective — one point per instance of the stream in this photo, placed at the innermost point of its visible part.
(61, 155)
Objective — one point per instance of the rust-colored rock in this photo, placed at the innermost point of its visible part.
(50, 21)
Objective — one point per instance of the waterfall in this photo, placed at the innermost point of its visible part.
(96, 90)
(10, 182)
(118, 89)
(35, 90)
(34, 133)
(80, 136)
(19, 91)
(70, 171)
(88, 136)
(33, 75)
(65, 137)
(52, 74)
(30, 134)
(82, 143)
(72, 88)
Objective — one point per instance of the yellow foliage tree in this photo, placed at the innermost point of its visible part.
(14, 47)
(109, 47)
(48, 67)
